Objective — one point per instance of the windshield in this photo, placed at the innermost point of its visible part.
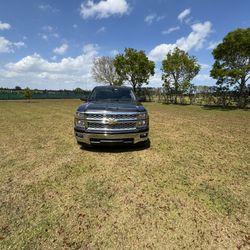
(112, 94)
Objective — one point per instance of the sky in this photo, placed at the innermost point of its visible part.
(47, 44)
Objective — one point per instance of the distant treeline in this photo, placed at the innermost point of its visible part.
(18, 94)
(198, 95)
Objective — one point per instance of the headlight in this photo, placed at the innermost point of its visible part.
(79, 123)
(142, 120)
(142, 123)
(79, 119)
(142, 116)
(79, 115)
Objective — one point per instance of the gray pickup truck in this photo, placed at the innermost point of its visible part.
(111, 115)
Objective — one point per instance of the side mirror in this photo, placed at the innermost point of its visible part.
(141, 99)
(84, 98)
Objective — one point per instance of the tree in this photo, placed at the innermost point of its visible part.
(191, 93)
(28, 93)
(134, 67)
(18, 88)
(78, 90)
(223, 92)
(232, 63)
(103, 71)
(168, 93)
(178, 70)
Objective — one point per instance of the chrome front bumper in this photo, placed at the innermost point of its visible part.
(92, 138)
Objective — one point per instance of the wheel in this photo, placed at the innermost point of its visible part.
(83, 145)
(144, 144)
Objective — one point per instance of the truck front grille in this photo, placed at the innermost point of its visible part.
(112, 122)
(117, 126)
(93, 116)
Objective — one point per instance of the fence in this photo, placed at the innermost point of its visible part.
(18, 95)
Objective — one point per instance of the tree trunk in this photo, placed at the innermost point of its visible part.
(175, 99)
(134, 87)
(176, 92)
(242, 101)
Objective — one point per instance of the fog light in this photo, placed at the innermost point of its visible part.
(79, 135)
(143, 135)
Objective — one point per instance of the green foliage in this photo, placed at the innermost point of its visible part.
(78, 90)
(18, 88)
(232, 62)
(134, 67)
(178, 70)
(28, 93)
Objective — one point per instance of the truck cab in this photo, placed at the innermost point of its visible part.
(111, 115)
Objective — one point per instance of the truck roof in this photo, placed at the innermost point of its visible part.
(112, 87)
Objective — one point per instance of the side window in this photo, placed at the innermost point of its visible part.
(93, 95)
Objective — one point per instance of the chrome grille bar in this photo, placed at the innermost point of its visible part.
(122, 117)
(118, 126)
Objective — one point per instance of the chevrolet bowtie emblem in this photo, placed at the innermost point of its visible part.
(110, 121)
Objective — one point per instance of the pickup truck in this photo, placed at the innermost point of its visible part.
(111, 115)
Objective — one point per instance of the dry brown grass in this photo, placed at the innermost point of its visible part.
(189, 190)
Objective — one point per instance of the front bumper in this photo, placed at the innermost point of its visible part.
(120, 138)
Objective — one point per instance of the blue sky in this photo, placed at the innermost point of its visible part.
(51, 44)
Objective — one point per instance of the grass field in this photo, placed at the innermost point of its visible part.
(189, 190)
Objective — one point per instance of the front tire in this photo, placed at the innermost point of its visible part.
(83, 145)
(143, 144)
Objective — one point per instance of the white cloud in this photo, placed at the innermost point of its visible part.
(49, 32)
(195, 40)
(160, 51)
(4, 26)
(114, 52)
(75, 26)
(155, 80)
(159, 18)
(62, 49)
(53, 58)
(184, 14)
(37, 72)
(44, 6)
(203, 77)
(204, 66)
(150, 18)
(104, 8)
(7, 46)
(213, 45)
(190, 20)
(19, 44)
(170, 30)
(36, 64)
(47, 28)
(44, 37)
(47, 7)
(101, 30)
(153, 18)
(55, 35)
(90, 48)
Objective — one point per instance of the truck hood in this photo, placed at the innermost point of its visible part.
(111, 106)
